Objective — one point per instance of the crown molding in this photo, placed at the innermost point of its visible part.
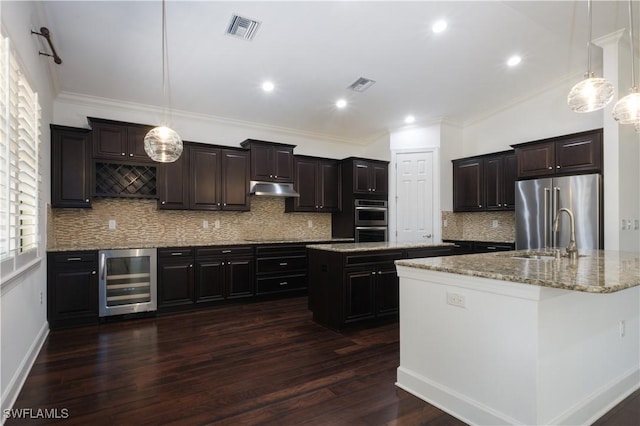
(96, 101)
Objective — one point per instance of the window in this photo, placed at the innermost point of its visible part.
(19, 168)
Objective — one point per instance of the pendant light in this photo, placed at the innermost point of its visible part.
(592, 93)
(163, 144)
(627, 109)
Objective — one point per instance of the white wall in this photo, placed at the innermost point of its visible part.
(73, 110)
(541, 116)
(23, 324)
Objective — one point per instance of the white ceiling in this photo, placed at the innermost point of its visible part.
(313, 50)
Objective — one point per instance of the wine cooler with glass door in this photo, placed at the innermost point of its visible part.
(127, 281)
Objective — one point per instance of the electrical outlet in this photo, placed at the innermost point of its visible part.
(445, 223)
(623, 328)
(495, 223)
(112, 224)
(310, 223)
(623, 226)
(456, 299)
(216, 224)
(636, 224)
(205, 224)
(41, 298)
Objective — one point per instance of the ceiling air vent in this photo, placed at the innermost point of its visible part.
(244, 28)
(361, 84)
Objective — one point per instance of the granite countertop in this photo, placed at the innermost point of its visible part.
(596, 271)
(164, 244)
(356, 247)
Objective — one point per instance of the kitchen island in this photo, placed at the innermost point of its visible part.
(521, 337)
(357, 282)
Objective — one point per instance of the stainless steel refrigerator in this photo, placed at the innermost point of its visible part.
(538, 201)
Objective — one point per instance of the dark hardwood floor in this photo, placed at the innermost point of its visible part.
(260, 363)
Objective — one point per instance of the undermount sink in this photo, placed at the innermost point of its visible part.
(533, 256)
(544, 255)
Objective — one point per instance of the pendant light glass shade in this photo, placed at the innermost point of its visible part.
(163, 144)
(591, 94)
(627, 109)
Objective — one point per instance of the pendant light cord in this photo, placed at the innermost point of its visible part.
(633, 52)
(166, 92)
(589, 73)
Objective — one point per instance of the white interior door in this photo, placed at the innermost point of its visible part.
(414, 192)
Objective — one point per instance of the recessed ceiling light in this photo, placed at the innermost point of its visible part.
(409, 119)
(439, 26)
(268, 86)
(341, 103)
(514, 60)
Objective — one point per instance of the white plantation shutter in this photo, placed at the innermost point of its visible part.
(19, 168)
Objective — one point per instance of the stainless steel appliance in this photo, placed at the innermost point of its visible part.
(370, 220)
(371, 213)
(538, 202)
(127, 281)
(366, 234)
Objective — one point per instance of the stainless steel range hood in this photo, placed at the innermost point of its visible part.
(273, 189)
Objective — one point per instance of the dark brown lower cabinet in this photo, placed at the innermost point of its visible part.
(195, 276)
(281, 268)
(72, 288)
(353, 287)
(175, 278)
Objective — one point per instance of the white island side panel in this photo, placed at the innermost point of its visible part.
(516, 353)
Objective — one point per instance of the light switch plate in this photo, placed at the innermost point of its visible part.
(112, 224)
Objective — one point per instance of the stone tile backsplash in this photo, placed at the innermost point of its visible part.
(139, 220)
(479, 226)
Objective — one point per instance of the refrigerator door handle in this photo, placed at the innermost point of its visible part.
(556, 206)
(546, 225)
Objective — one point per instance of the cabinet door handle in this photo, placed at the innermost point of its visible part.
(283, 264)
(191, 265)
(491, 248)
(178, 253)
(479, 205)
(499, 205)
(276, 176)
(86, 201)
(322, 207)
(226, 251)
(122, 153)
(550, 168)
(373, 273)
(270, 176)
(224, 204)
(457, 245)
(373, 190)
(284, 283)
(93, 272)
(162, 202)
(228, 263)
(73, 259)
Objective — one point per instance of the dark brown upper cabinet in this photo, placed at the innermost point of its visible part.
(468, 177)
(569, 154)
(500, 180)
(484, 183)
(172, 182)
(119, 141)
(218, 178)
(366, 176)
(270, 161)
(317, 180)
(70, 167)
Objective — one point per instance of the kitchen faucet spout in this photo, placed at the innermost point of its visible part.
(572, 248)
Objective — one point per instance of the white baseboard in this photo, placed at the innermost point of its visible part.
(472, 412)
(17, 381)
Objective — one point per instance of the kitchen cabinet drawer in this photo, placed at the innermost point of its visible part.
(372, 257)
(428, 252)
(73, 257)
(483, 247)
(280, 283)
(177, 252)
(281, 264)
(223, 251)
